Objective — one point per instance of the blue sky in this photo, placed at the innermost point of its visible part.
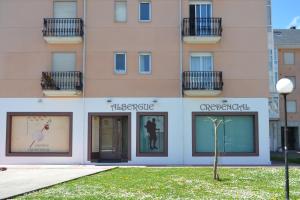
(285, 13)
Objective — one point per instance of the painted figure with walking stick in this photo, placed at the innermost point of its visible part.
(151, 129)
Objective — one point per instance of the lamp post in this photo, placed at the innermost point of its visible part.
(284, 87)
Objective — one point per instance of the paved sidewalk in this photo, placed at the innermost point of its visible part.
(21, 179)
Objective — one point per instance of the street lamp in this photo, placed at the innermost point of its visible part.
(284, 87)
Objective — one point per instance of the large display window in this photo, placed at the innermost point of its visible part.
(152, 134)
(39, 134)
(237, 134)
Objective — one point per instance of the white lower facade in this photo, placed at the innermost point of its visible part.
(179, 140)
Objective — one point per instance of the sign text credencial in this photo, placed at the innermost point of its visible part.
(224, 107)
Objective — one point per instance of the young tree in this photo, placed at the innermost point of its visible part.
(216, 123)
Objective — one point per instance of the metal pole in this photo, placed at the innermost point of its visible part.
(287, 195)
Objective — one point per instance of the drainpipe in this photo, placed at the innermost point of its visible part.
(180, 78)
(84, 150)
(180, 47)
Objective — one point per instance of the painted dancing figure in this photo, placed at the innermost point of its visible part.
(39, 136)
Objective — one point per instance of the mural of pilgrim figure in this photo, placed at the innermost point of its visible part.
(151, 129)
(40, 135)
(148, 127)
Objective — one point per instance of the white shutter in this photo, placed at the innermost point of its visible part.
(65, 9)
(64, 62)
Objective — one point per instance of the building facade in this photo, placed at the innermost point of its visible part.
(133, 82)
(287, 62)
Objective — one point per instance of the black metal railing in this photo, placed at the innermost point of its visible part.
(202, 27)
(63, 27)
(71, 80)
(202, 80)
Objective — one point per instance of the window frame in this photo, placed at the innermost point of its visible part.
(53, 53)
(115, 13)
(152, 154)
(288, 52)
(115, 62)
(53, 5)
(9, 117)
(150, 11)
(226, 154)
(201, 54)
(150, 63)
(202, 2)
(296, 107)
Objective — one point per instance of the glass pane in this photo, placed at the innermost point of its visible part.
(203, 10)
(144, 11)
(107, 134)
(288, 58)
(208, 6)
(120, 62)
(291, 106)
(198, 11)
(121, 14)
(145, 63)
(152, 134)
(65, 9)
(205, 139)
(201, 63)
(239, 133)
(195, 63)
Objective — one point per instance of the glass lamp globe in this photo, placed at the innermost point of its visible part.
(284, 86)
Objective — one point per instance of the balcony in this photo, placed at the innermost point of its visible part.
(202, 30)
(202, 83)
(61, 83)
(63, 30)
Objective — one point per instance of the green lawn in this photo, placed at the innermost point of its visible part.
(176, 183)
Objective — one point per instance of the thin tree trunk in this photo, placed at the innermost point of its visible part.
(216, 177)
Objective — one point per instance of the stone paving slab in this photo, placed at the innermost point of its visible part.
(21, 179)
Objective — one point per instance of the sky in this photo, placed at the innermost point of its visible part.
(285, 13)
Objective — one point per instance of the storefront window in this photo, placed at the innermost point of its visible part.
(236, 133)
(45, 134)
(152, 134)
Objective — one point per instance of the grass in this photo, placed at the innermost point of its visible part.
(176, 183)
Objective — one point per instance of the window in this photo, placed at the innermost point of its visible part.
(63, 61)
(201, 62)
(39, 134)
(65, 9)
(201, 67)
(152, 134)
(120, 62)
(200, 14)
(288, 58)
(237, 134)
(145, 63)
(145, 11)
(121, 11)
(291, 106)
